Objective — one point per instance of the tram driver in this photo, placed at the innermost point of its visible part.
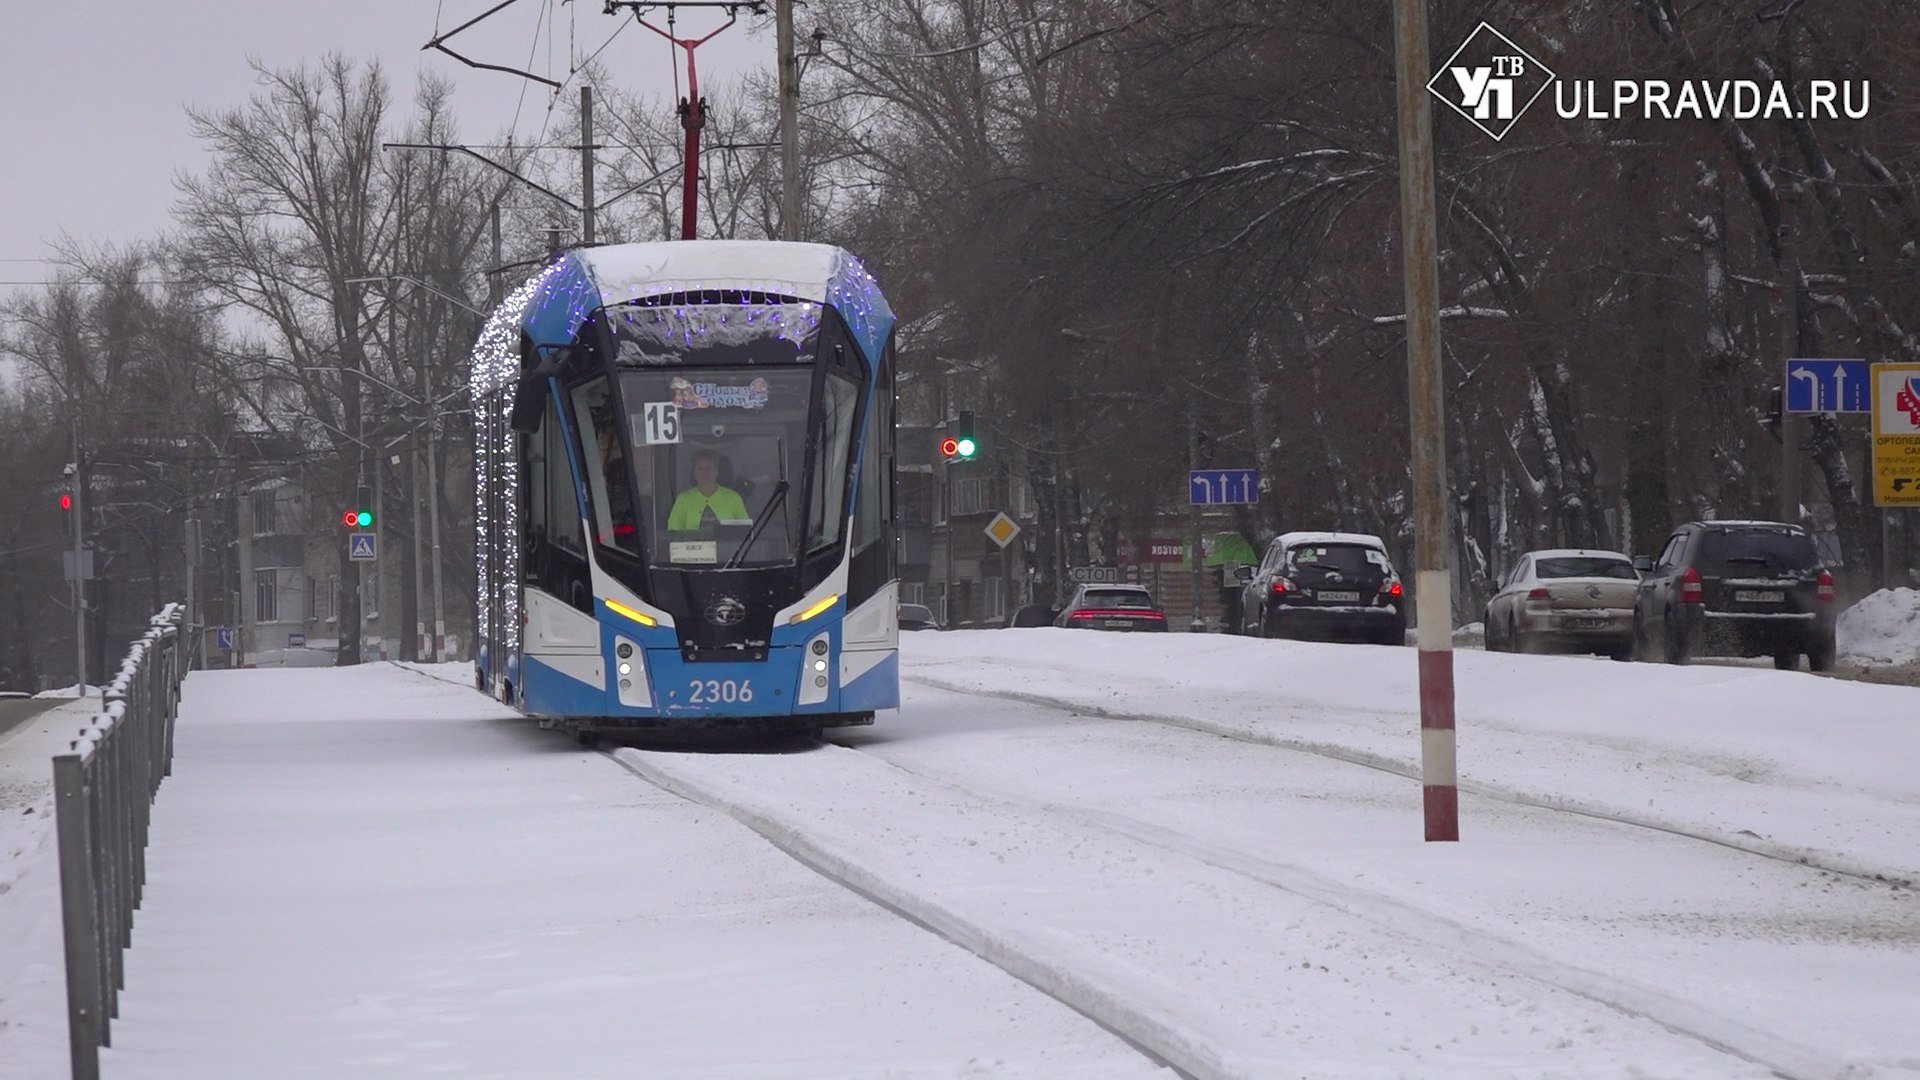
(706, 496)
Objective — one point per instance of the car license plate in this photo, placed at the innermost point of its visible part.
(1759, 596)
(1585, 624)
(1339, 596)
(1119, 624)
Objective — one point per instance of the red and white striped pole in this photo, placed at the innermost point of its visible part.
(1433, 603)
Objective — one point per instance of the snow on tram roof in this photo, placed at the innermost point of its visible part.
(630, 271)
(552, 304)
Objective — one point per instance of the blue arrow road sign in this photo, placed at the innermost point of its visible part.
(362, 547)
(1827, 386)
(1214, 487)
(224, 635)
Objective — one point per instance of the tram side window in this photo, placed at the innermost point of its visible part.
(563, 507)
(555, 546)
(839, 398)
(873, 509)
(609, 488)
(535, 509)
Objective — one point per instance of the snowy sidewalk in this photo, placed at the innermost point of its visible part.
(33, 1003)
(372, 873)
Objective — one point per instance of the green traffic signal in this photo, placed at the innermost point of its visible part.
(365, 520)
(964, 448)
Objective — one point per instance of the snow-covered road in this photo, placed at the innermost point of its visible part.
(371, 873)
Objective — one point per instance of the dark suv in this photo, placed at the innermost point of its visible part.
(1340, 586)
(1736, 588)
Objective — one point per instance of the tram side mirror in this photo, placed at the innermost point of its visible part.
(530, 396)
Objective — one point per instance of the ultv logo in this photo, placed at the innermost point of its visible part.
(1488, 91)
(1490, 80)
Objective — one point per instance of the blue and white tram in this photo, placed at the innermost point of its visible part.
(685, 489)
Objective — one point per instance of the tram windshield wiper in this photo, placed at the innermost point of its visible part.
(775, 501)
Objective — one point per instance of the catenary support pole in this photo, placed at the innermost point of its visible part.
(1432, 587)
(79, 561)
(789, 119)
(417, 623)
(586, 165)
(494, 291)
(189, 633)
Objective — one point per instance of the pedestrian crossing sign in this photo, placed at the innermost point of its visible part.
(360, 547)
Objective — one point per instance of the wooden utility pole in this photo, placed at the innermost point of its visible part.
(1420, 266)
(1196, 555)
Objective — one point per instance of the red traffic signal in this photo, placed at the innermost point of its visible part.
(350, 519)
(949, 446)
(66, 500)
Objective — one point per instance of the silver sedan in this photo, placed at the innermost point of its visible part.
(1565, 600)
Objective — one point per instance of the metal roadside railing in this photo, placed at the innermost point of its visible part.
(103, 797)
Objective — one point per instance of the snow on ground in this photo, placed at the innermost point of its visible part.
(70, 691)
(368, 873)
(1781, 762)
(1883, 628)
(373, 873)
(32, 988)
(1257, 913)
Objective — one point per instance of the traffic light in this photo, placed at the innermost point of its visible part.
(949, 447)
(965, 445)
(66, 500)
(357, 519)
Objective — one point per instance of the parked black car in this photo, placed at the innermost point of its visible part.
(1033, 615)
(917, 617)
(1334, 585)
(1736, 588)
(1111, 607)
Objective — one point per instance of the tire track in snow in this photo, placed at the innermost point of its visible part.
(1159, 1009)
(1792, 854)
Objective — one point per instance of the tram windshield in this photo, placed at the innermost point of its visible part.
(720, 455)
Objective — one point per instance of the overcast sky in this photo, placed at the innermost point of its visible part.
(93, 96)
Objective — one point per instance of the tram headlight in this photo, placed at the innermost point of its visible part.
(626, 668)
(820, 647)
(625, 650)
(819, 665)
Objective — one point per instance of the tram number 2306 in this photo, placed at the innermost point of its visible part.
(719, 692)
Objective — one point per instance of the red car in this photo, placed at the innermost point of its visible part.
(1112, 607)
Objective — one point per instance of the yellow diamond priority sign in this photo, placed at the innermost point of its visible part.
(1002, 529)
(1896, 434)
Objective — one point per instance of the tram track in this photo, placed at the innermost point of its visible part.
(1066, 962)
(1790, 854)
(1438, 931)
